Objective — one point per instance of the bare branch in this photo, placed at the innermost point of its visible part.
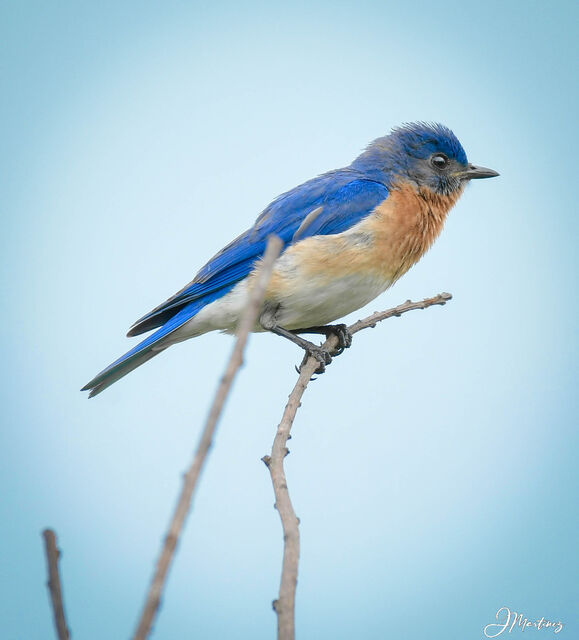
(284, 606)
(246, 323)
(371, 321)
(53, 584)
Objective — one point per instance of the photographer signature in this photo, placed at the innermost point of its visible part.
(508, 620)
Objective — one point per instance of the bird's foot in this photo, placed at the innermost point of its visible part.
(338, 330)
(321, 355)
(343, 335)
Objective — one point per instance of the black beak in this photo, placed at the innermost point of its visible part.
(473, 172)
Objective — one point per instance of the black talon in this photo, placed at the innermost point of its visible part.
(299, 369)
(343, 335)
(321, 355)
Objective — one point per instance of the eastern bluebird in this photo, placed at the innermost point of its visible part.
(348, 235)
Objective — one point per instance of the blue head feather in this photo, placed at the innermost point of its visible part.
(422, 139)
(405, 154)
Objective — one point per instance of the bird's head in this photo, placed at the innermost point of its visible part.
(428, 155)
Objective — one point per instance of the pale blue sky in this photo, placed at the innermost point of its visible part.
(434, 466)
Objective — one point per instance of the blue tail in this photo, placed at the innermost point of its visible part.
(148, 348)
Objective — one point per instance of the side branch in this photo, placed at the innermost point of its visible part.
(246, 323)
(372, 321)
(284, 606)
(52, 557)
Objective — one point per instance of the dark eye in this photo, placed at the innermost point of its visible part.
(439, 161)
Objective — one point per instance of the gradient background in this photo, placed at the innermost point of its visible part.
(434, 466)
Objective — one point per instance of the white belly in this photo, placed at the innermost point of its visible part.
(221, 315)
(319, 301)
(313, 303)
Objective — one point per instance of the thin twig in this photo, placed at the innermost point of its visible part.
(284, 606)
(371, 321)
(53, 584)
(246, 323)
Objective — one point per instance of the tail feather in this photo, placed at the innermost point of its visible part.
(152, 345)
(142, 352)
(115, 372)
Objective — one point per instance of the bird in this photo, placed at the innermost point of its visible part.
(347, 236)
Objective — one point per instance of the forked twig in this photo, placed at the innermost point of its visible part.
(246, 323)
(284, 606)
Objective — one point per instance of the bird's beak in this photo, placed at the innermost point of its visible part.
(473, 172)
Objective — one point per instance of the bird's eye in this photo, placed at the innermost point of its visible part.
(439, 161)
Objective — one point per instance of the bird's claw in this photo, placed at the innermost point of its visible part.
(343, 335)
(299, 369)
(321, 355)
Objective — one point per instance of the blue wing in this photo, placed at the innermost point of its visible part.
(326, 205)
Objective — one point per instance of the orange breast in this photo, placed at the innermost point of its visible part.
(405, 225)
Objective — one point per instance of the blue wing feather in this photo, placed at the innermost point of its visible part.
(345, 198)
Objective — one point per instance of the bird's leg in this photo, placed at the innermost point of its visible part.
(339, 330)
(311, 349)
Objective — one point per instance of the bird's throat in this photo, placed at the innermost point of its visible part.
(407, 224)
